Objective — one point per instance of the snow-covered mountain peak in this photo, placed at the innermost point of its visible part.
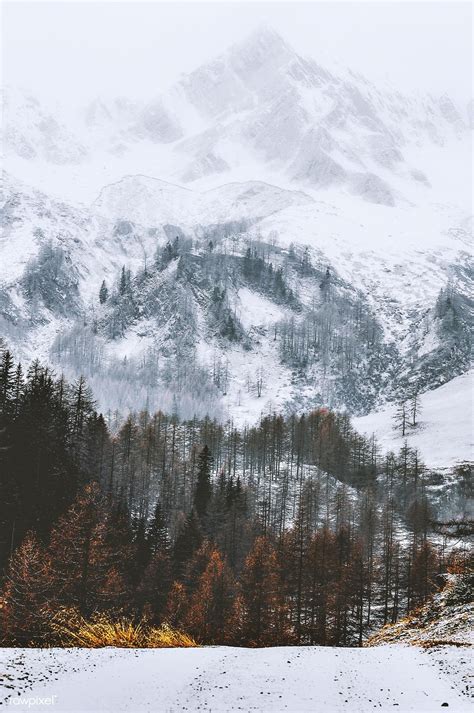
(264, 38)
(263, 52)
(257, 111)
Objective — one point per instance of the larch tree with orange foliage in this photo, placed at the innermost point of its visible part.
(24, 603)
(265, 620)
(87, 571)
(177, 605)
(211, 605)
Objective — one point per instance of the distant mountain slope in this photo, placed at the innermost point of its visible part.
(400, 258)
(239, 299)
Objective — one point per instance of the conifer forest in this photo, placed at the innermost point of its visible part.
(296, 530)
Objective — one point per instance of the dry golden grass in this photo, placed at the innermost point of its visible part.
(72, 630)
(165, 637)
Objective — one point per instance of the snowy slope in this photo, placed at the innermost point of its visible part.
(445, 435)
(152, 202)
(398, 280)
(328, 680)
(400, 258)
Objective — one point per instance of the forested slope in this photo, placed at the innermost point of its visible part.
(297, 530)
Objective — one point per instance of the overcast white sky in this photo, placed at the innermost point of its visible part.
(78, 50)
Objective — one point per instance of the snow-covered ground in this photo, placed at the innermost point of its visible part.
(445, 433)
(319, 679)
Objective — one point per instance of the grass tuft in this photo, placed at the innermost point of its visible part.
(72, 630)
(165, 637)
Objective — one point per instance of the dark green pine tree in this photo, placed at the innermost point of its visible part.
(187, 542)
(123, 281)
(141, 548)
(18, 389)
(158, 536)
(7, 383)
(157, 577)
(37, 475)
(82, 411)
(203, 492)
(103, 293)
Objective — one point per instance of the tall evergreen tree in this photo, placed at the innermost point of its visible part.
(203, 491)
(188, 540)
(158, 535)
(103, 293)
(123, 281)
(401, 417)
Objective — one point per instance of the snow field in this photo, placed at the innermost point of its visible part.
(445, 433)
(386, 678)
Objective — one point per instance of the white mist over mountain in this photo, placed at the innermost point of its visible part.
(260, 110)
(88, 49)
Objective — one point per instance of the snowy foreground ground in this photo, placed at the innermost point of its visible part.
(395, 678)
